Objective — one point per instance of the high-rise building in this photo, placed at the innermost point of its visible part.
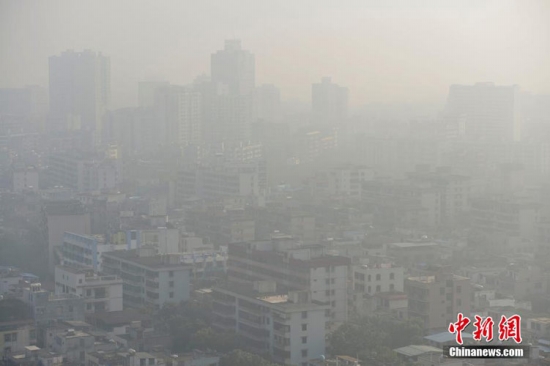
(329, 101)
(229, 95)
(147, 92)
(490, 112)
(268, 103)
(79, 90)
(178, 110)
(234, 67)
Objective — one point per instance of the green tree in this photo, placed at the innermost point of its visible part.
(374, 338)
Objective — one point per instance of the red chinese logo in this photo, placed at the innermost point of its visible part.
(484, 328)
(461, 323)
(508, 328)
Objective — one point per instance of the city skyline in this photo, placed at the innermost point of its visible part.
(360, 46)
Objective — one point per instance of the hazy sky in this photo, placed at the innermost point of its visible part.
(385, 51)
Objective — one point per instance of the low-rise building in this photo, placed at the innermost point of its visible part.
(436, 299)
(149, 279)
(16, 335)
(86, 250)
(72, 344)
(48, 307)
(290, 327)
(100, 293)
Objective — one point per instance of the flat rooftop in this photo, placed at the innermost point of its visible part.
(154, 262)
(413, 245)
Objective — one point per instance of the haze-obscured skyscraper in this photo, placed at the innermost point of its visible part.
(268, 103)
(235, 68)
(490, 112)
(80, 90)
(329, 101)
(230, 103)
(178, 112)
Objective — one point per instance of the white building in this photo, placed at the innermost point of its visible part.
(100, 293)
(72, 344)
(376, 278)
(287, 326)
(86, 250)
(149, 279)
(294, 267)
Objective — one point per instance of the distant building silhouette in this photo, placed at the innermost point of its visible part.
(329, 102)
(234, 67)
(489, 112)
(79, 90)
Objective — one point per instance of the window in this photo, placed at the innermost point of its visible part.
(333, 280)
(304, 314)
(392, 276)
(88, 292)
(142, 362)
(89, 306)
(171, 283)
(332, 292)
(378, 277)
(327, 293)
(304, 327)
(151, 361)
(171, 273)
(10, 337)
(80, 280)
(368, 289)
(458, 289)
(368, 278)
(304, 340)
(171, 295)
(377, 288)
(327, 281)
(392, 287)
(304, 353)
(81, 342)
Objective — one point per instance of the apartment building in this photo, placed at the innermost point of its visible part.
(437, 298)
(64, 216)
(222, 225)
(506, 218)
(288, 326)
(294, 266)
(100, 293)
(410, 254)
(212, 182)
(49, 307)
(344, 180)
(16, 335)
(72, 344)
(376, 278)
(86, 250)
(149, 279)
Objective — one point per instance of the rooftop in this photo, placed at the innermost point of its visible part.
(413, 245)
(445, 337)
(417, 350)
(155, 261)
